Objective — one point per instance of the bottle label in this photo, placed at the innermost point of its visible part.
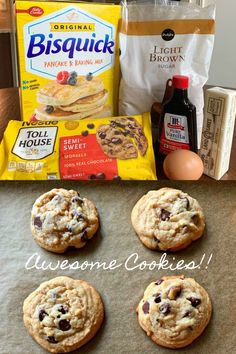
(174, 133)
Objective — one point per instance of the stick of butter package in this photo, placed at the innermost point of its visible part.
(105, 148)
(68, 65)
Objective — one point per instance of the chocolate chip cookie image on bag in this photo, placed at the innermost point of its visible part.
(63, 314)
(167, 219)
(61, 218)
(123, 138)
(174, 311)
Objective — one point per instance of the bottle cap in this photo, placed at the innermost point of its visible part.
(180, 81)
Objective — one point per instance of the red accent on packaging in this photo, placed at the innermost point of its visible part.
(82, 158)
(168, 146)
(34, 11)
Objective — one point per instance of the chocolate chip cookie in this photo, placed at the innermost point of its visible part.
(63, 314)
(168, 219)
(174, 311)
(61, 218)
(122, 138)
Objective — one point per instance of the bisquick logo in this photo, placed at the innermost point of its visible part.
(70, 35)
(168, 34)
(40, 44)
(35, 143)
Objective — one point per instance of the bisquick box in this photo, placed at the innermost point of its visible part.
(68, 62)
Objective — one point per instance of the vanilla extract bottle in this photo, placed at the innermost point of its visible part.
(178, 127)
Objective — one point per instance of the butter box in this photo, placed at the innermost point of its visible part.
(68, 62)
(218, 130)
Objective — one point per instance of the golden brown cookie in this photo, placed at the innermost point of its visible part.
(174, 311)
(61, 218)
(168, 219)
(63, 314)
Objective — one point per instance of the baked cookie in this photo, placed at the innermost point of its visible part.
(174, 311)
(122, 138)
(63, 314)
(61, 218)
(167, 219)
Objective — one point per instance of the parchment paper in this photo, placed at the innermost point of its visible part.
(120, 289)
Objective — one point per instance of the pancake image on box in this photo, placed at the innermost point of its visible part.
(61, 218)
(72, 97)
(168, 219)
(122, 138)
(174, 311)
(63, 314)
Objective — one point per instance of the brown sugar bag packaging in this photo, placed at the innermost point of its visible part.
(159, 39)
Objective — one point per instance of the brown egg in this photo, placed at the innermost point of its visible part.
(183, 165)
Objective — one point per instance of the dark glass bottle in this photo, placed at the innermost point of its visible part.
(178, 127)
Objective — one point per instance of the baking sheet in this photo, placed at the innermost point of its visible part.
(121, 289)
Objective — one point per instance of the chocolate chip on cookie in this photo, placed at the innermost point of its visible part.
(52, 340)
(77, 199)
(63, 309)
(157, 298)
(42, 314)
(78, 215)
(187, 314)
(146, 307)
(194, 301)
(38, 222)
(64, 325)
(165, 215)
(165, 308)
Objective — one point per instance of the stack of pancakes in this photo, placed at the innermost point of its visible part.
(86, 98)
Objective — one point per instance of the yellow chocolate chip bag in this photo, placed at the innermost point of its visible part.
(102, 149)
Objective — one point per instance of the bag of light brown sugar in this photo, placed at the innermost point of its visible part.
(159, 39)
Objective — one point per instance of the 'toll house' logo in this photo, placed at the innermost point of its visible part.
(168, 34)
(35, 143)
